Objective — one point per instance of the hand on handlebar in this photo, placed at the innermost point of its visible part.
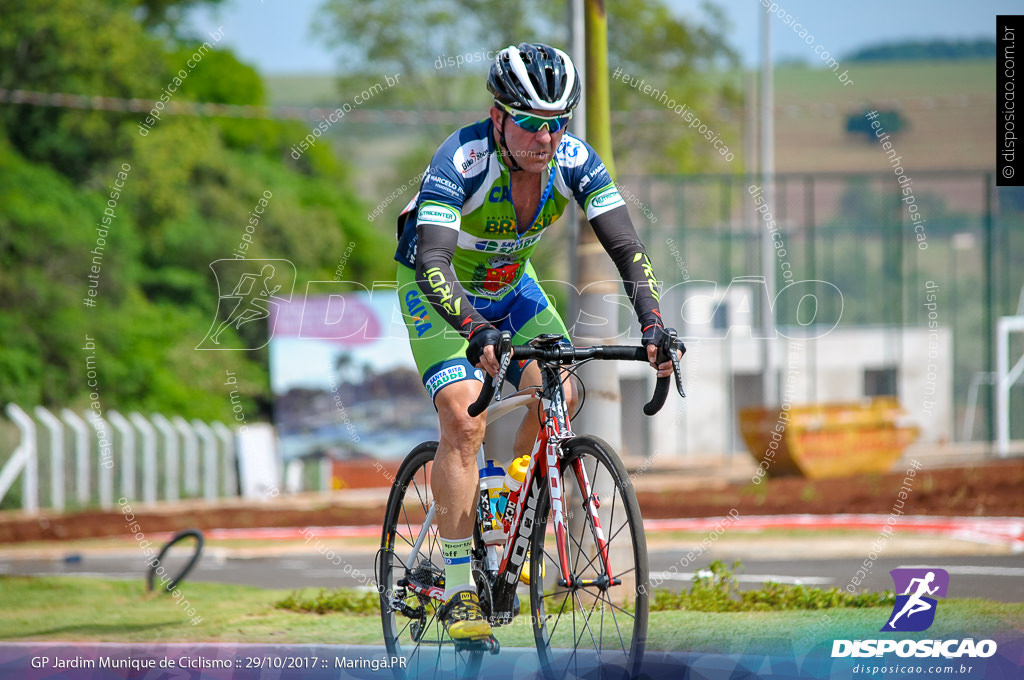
(657, 339)
(483, 340)
(664, 368)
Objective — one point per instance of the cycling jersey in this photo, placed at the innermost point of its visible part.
(468, 238)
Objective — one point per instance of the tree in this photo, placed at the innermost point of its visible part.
(423, 41)
(185, 202)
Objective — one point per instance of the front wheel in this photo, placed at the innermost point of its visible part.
(410, 578)
(596, 622)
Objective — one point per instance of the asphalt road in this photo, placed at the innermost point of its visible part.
(994, 577)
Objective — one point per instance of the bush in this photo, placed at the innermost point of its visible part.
(716, 590)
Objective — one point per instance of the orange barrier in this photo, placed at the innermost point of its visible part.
(827, 440)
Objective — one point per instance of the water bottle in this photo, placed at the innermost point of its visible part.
(510, 490)
(491, 482)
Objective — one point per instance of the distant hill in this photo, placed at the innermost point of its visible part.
(949, 108)
(926, 50)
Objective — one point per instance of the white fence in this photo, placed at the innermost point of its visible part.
(95, 460)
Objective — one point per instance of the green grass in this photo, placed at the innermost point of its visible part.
(86, 609)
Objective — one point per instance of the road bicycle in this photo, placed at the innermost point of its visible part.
(574, 539)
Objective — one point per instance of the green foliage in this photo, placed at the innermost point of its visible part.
(187, 190)
(649, 42)
(891, 120)
(718, 591)
(393, 36)
(339, 600)
(79, 48)
(646, 39)
(926, 50)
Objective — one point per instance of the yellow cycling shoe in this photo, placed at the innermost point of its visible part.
(462, 617)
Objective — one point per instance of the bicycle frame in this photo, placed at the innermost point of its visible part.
(555, 430)
(543, 465)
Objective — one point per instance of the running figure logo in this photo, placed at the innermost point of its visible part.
(257, 284)
(914, 611)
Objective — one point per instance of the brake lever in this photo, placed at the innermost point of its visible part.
(505, 352)
(674, 343)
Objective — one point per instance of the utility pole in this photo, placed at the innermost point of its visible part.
(598, 281)
(771, 387)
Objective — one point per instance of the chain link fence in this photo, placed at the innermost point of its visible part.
(941, 248)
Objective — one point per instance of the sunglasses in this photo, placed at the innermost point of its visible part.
(533, 124)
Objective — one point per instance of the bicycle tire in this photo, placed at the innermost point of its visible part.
(173, 583)
(613, 644)
(433, 654)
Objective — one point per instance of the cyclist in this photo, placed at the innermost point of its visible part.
(465, 240)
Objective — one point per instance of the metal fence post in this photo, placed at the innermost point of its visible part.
(228, 462)
(56, 428)
(171, 451)
(191, 457)
(25, 458)
(76, 423)
(124, 428)
(149, 470)
(209, 459)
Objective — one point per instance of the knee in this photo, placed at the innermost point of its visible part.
(463, 432)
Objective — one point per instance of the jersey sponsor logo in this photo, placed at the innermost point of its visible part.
(437, 214)
(443, 289)
(506, 225)
(499, 194)
(499, 226)
(505, 246)
(443, 185)
(606, 198)
(498, 273)
(571, 153)
(444, 377)
(590, 176)
(469, 157)
(652, 280)
(417, 312)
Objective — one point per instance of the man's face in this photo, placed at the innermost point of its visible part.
(531, 150)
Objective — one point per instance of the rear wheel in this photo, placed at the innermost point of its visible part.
(597, 623)
(408, 612)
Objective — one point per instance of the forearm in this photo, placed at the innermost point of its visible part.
(616, 233)
(436, 278)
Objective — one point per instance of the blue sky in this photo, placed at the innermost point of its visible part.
(274, 35)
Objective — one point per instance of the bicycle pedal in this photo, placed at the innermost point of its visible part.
(488, 644)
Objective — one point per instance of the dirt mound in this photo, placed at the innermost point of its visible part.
(991, 489)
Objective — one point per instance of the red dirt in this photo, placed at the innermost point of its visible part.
(990, 489)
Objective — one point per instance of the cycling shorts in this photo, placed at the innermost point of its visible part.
(440, 351)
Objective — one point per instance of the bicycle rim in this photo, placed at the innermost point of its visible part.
(594, 628)
(421, 639)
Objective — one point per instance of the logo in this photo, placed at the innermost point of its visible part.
(443, 185)
(468, 156)
(505, 246)
(417, 312)
(571, 152)
(499, 226)
(444, 377)
(437, 214)
(606, 198)
(914, 610)
(441, 287)
(258, 287)
(499, 194)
